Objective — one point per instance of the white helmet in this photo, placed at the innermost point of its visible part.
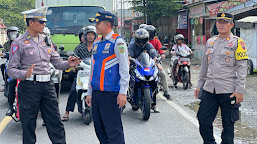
(179, 37)
(143, 26)
(46, 31)
(89, 29)
(141, 37)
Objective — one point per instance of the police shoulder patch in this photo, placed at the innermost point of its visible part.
(14, 48)
(121, 48)
(241, 52)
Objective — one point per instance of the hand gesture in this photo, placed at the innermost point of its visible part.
(29, 71)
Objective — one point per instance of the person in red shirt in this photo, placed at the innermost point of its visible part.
(157, 45)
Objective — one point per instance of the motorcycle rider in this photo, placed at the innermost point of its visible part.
(83, 50)
(12, 34)
(135, 49)
(180, 46)
(157, 45)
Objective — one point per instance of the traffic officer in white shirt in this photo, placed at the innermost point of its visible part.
(29, 62)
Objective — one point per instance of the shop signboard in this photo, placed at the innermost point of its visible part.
(197, 11)
(182, 20)
(216, 8)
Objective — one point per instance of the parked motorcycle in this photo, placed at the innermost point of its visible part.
(143, 75)
(82, 81)
(182, 70)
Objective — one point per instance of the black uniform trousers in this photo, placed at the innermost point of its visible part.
(32, 97)
(11, 91)
(73, 99)
(210, 102)
(107, 117)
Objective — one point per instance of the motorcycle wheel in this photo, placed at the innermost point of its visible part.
(185, 80)
(87, 116)
(146, 108)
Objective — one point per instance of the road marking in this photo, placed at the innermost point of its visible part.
(187, 116)
(4, 123)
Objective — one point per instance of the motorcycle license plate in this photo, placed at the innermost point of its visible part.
(184, 59)
(84, 74)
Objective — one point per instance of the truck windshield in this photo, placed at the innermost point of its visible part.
(70, 19)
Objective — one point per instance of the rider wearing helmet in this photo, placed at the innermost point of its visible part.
(12, 34)
(87, 36)
(180, 46)
(157, 45)
(136, 48)
(48, 40)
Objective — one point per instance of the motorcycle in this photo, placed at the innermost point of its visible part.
(82, 81)
(143, 74)
(7, 79)
(182, 70)
(56, 77)
(167, 42)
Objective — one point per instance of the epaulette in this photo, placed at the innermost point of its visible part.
(114, 36)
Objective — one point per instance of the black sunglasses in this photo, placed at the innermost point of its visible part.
(41, 22)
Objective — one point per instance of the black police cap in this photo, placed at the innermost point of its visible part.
(101, 16)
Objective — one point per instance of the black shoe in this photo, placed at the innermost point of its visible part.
(167, 95)
(10, 112)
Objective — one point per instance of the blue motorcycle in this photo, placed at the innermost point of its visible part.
(7, 79)
(143, 84)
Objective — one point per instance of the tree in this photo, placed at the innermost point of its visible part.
(153, 9)
(11, 12)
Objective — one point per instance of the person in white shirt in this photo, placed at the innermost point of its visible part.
(180, 46)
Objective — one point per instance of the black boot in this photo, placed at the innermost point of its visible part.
(10, 111)
(167, 95)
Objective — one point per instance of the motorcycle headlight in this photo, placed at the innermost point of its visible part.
(139, 75)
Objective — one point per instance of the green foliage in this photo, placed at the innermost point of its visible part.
(11, 12)
(155, 8)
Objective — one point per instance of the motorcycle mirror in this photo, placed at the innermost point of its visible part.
(163, 48)
(61, 48)
(1, 46)
(70, 53)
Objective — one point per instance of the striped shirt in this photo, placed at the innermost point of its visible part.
(82, 51)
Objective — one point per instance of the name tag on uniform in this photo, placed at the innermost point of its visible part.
(107, 48)
(95, 49)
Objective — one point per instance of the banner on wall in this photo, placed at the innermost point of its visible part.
(197, 11)
(182, 20)
(216, 8)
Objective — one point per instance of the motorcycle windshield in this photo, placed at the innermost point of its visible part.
(144, 59)
(87, 61)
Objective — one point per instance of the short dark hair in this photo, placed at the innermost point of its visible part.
(29, 19)
(111, 23)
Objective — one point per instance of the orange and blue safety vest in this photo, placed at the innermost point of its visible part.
(105, 71)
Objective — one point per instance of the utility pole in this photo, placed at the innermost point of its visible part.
(121, 10)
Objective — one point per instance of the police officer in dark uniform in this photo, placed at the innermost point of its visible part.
(109, 80)
(29, 62)
(222, 76)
